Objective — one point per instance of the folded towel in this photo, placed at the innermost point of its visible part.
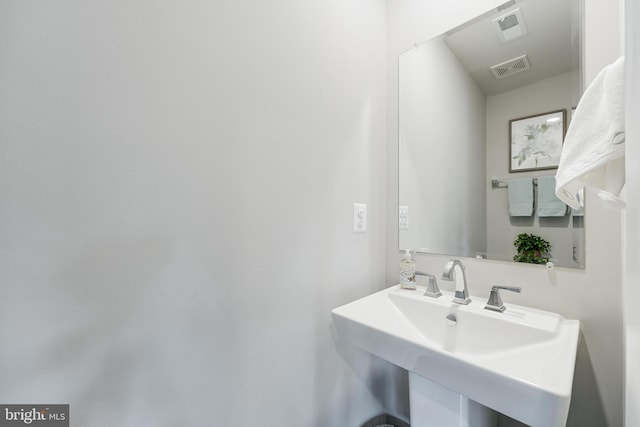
(520, 194)
(594, 146)
(548, 203)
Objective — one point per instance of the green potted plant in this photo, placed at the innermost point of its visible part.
(531, 249)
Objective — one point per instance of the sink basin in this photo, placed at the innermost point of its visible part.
(519, 362)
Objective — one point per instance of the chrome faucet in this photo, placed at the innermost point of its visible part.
(495, 301)
(432, 285)
(462, 292)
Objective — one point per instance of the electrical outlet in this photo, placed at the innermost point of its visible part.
(359, 218)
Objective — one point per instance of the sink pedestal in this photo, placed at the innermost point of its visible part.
(435, 406)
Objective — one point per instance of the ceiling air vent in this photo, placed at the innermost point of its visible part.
(510, 26)
(511, 67)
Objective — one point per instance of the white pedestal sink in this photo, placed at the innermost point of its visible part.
(466, 362)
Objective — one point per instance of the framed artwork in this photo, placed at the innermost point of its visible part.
(535, 142)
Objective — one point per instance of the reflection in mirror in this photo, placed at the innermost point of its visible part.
(454, 118)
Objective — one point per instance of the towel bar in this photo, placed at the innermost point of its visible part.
(504, 183)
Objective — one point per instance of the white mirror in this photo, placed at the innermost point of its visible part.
(460, 95)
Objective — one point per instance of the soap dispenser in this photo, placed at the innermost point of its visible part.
(407, 271)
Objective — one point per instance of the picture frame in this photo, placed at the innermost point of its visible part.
(535, 142)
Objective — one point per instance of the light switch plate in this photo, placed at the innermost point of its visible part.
(403, 218)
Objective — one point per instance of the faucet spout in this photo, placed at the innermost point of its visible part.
(449, 273)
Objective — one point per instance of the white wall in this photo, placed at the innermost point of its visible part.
(177, 181)
(564, 233)
(432, 143)
(631, 291)
(592, 295)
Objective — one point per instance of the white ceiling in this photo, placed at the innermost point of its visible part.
(551, 44)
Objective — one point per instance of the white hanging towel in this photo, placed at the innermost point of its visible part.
(593, 150)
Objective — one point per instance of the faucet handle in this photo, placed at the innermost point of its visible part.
(432, 285)
(495, 301)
